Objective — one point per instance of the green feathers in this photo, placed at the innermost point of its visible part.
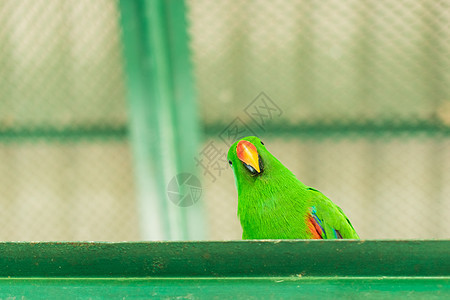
(274, 204)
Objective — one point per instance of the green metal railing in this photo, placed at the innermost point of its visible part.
(347, 129)
(227, 270)
(392, 128)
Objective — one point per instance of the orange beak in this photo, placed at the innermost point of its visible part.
(248, 154)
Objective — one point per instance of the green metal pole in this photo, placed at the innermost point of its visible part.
(164, 129)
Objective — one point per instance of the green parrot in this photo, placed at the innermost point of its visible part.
(274, 204)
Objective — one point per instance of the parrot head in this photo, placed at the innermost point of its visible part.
(254, 167)
(251, 161)
(244, 156)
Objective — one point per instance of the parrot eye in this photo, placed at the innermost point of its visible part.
(262, 143)
(230, 162)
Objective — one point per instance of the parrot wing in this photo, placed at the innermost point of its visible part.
(326, 220)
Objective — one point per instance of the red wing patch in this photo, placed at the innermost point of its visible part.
(315, 228)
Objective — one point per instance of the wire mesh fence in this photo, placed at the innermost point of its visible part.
(362, 91)
(65, 170)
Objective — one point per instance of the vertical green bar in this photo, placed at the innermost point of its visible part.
(164, 128)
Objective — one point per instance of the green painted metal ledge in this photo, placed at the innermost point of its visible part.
(226, 270)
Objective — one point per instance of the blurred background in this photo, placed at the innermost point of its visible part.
(103, 103)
